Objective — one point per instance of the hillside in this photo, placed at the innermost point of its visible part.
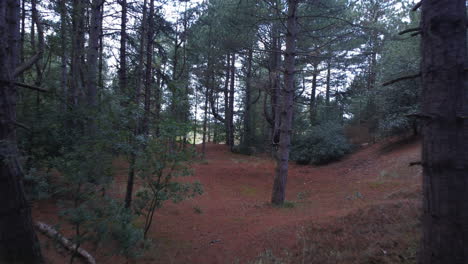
(232, 221)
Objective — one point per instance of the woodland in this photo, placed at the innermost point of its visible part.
(233, 131)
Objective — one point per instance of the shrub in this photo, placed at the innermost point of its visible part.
(321, 144)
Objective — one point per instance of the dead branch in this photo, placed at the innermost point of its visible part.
(35, 88)
(27, 64)
(21, 125)
(54, 234)
(420, 116)
(417, 6)
(408, 77)
(409, 30)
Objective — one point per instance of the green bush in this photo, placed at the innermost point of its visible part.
(321, 144)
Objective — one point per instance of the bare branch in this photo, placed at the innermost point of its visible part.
(27, 64)
(420, 116)
(21, 125)
(409, 30)
(35, 88)
(417, 6)
(408, 77)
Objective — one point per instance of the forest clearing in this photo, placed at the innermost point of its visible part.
(233, 222)
(233, 131)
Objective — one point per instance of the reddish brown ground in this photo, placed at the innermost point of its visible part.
(236, 223)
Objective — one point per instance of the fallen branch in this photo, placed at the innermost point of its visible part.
(415, 163)
(54, 234)
(408, 77)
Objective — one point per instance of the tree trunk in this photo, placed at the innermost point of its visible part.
(40, 43)
(64, 53)
(279, 185)
(230, 120)
(226, 99)
(195, 117)
(100, 81)
(18, 242)
(123, 49)
(276, 84)
(313, 104)
(248, 137)
(445, 140)
(93, 53)
(149, 70)
(205, 120)
(327, 91)
(157, 103)
(137, 128)
(77, 51)
(23, 34)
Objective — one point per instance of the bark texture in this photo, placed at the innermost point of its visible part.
(287, 94)
(18, 242)
(445, 132)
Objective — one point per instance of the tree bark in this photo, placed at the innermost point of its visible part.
(23, 34)
(54, 234)
(18, 242)
(230, 120)
(276, 84)
(313, 104)
(93, 53)
(64, 53)
(123, 49)
(226, 99)
(137, 96)
(279, 185)
(205, 120)
(327, 91)
(149, 69)
(445, 132)
(77, 51)
(248, 137)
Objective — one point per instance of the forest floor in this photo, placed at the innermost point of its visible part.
(351, 211)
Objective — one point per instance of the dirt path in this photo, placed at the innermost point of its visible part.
(232, 221)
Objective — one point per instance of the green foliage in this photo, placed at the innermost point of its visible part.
(37, 184)
(116, 225)
(321, 144)
(159, 166)
(398, 100)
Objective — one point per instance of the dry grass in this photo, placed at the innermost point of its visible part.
(378, 234)
(386, 233)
